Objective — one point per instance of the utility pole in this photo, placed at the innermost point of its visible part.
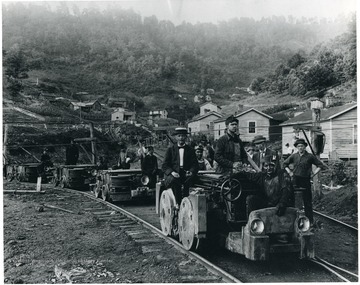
(93, 143)
(6, 126)
(316, 106)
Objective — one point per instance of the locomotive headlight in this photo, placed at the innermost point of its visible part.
(257, 227)
(145, 180)
(303, 224)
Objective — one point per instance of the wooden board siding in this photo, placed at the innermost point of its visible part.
(261, 126)
(219, 130)
(201, 125)
(343, 135)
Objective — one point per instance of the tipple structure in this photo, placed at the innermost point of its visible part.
(216, 210)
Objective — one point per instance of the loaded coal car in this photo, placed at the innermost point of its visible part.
(78, 177)
(216, 209)
(122, 185)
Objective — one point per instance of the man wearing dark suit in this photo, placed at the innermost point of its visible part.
(263, 151)
(180, 166)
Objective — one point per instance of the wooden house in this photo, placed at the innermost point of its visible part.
(203, 124)
(252, 123)
(86, 106)
(120, 114)
(209, 107)
(339, 124)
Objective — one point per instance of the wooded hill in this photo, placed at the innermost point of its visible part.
(111, 51)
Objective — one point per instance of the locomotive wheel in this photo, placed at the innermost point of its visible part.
(105, 193)
(97, 189)
(187, 225)
(19, 177)
(231, 190)
(63, 183)
(167, 205)
(9, 177)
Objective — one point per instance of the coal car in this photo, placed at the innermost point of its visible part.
(216, 209)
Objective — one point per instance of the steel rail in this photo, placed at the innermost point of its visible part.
(228, 278)
(336, 221)
(336, 267)
(330, 270)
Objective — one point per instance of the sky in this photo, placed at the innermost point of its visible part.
(213, 11)
(218, 10)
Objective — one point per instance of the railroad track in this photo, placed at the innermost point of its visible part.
(223, 267)
(352, 228)
(144, 233)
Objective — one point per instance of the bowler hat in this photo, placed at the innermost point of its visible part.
(259, 139)
(180, 131)
(300, 141)
(230, 120)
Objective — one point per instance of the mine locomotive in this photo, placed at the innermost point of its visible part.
(77, 177)
(121, 185)
(216, 208)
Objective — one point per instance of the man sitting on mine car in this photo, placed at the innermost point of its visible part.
(180, 166)
(274, 188)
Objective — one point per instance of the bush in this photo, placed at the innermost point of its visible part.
(341, 172)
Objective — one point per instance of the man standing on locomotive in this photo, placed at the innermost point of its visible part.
(230, 152)
(301, 174)
(180, 166)
(274, 188)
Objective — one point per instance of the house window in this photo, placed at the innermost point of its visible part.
(355, 134)
(251, 127)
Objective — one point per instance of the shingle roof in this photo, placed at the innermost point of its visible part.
(326, 114)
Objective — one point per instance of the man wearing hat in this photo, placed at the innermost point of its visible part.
(274, 189)
(301, 174)
(264, 150)
(230, 152)
(149, 166)
(180, 165)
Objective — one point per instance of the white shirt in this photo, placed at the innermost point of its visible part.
(181, 155)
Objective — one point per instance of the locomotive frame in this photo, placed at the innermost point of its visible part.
(216, 207)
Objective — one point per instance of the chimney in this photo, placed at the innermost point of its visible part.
(240, 107)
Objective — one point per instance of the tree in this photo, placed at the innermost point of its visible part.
(15, 70)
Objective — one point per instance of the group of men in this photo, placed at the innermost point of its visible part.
(276, 184)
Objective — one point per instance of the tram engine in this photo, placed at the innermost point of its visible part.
(216, 208)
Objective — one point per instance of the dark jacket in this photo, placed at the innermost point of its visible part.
(149, 165)
(172, 160)
(302, 164)
(224, 153)
(275, 190)
(268, 152)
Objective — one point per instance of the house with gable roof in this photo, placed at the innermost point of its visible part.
(339, 124)
(252, 122)
(203, 124)
(209, 107)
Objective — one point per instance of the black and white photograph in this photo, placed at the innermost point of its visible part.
(179, 141)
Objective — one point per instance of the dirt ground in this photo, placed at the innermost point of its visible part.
(42, 246)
